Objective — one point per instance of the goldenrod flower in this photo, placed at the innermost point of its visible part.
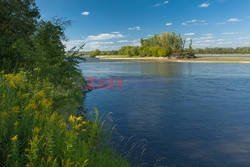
(68, 163)
(84, 130)
(72, 118)
(85, 162)
(84, 123)
(3, 114)
(14, 79)
(26, 95)
(31, 105)
(16, 109)
(14, 138)
(40, 94)
(78, 118)
(36, 130)
(62, 124)
(46, 103)
(77, 126)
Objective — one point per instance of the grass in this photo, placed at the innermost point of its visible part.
(39, 128)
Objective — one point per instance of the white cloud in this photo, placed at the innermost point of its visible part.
(242, 38)
(221, 23)
(189, 34)
(116, 32)
(137, 28)
(156, 5)
(123, 41)
(209, 34)
(85, 13)
(204, 38)
(194, 22)
(89, 46)
(169, 24)
(204, 5)
(231, 33)
(160, 4)
(105, 36)
(211, 42)
(232, 20)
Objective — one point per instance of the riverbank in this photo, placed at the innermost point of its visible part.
(244, 59)
(39, 125)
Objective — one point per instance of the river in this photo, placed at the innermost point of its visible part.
(188, 114)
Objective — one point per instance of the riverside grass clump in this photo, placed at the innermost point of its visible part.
(38, 127)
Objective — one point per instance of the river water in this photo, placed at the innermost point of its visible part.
(188, 114)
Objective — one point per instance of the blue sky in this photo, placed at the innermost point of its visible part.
(110, 24)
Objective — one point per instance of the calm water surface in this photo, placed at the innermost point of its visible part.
(192, 115)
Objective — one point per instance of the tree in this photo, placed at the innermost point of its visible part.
(95, 53)
(190, 45)
(18, 23)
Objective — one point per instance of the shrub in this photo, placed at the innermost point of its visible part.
(38, 127)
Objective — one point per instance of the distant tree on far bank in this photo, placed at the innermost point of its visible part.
(95, 53)
(238, 50)
(164, 45)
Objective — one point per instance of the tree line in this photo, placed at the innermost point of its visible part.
(238, 50)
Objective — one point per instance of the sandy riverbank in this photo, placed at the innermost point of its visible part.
(233, 58)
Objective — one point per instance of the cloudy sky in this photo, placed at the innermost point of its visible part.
(110, 24)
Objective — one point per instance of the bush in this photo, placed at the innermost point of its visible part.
(38, 127)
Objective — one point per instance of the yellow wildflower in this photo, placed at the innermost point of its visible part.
(36, 130)
(68, 163)
(40, 94)
(14, 138)
(78, 118)
(14, 79)
(3, 114)
(72, 118)
(85, 162)
(16, 109)
(84, 130)
(84, 123)
(49, 159)
(77, 126)
(31, 105)
(46, 103)
(26, 95)
(62, 124)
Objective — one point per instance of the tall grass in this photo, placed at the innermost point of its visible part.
(38, 126)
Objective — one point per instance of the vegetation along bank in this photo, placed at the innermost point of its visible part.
(40, 91)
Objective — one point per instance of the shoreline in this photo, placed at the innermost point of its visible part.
(200, 59)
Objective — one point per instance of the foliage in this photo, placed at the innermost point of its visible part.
(40, 91)
(165, 40)
(38, 128)
(238, 50)
(157, 46)
(95, 53)
(18, 23)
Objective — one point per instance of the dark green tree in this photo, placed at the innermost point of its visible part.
(18, 21)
